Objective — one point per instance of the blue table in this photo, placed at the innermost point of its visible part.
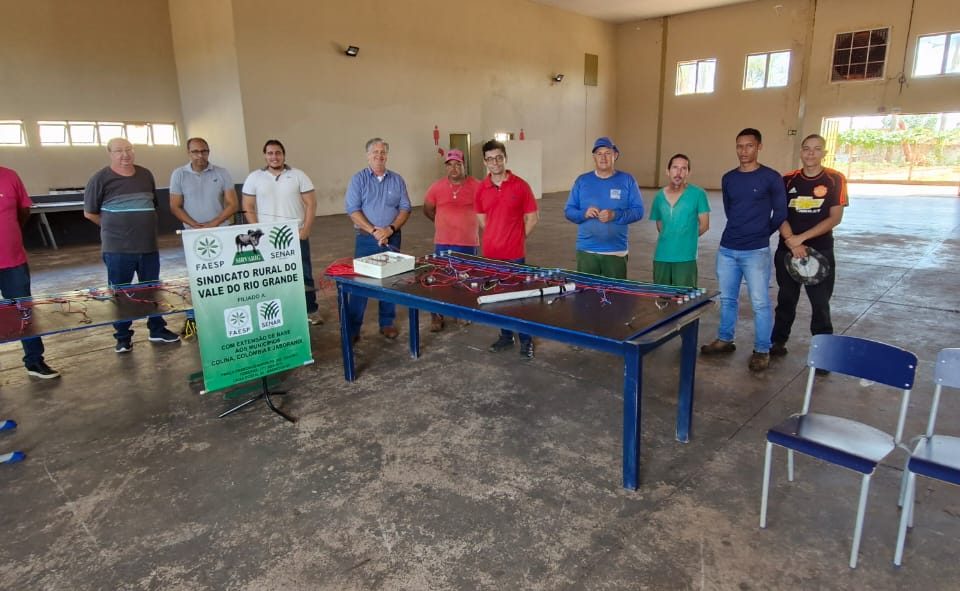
(624, 325)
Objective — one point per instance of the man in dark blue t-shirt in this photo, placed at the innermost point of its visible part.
(755, 203)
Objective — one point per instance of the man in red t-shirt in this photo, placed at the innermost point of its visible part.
(449, 204)
(14, 273)
(507, 213)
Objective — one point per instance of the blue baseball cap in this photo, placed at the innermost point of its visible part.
(605, 142)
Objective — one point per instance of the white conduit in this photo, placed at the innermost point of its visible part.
(526, 293)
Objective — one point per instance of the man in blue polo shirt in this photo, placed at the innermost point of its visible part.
(603, 202)
(378, 204)
(202, 195)
(755, 203)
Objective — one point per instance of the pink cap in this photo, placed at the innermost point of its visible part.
(454, 155)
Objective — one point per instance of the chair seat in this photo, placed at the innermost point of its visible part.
(937, 457)
(841, 441)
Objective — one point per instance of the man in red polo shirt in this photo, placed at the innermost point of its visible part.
(507, 213)
(14, 273)
(450, 205)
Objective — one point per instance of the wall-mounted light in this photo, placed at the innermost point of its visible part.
(558, 78)
(352, 51)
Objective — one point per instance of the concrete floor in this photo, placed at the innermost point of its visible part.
(468, 470)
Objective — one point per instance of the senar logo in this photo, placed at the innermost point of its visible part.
(269, 314)
(281, 237)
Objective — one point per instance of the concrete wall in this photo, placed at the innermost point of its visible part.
(874, 97)
(704, 126)
(205, 51)
(109, 60)
(472, 67)
(639, 57)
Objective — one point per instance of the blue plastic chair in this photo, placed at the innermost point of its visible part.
(934, 456)
(838, 440)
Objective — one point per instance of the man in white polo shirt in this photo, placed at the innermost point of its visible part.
(201, 196)
(276, 193)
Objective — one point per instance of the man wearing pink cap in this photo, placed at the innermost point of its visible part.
(449, 203)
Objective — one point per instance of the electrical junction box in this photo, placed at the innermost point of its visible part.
(384, 264)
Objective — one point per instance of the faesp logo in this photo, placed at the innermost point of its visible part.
(208, 247)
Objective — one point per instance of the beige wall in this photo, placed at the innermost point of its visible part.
(918, 95)
(704, 126)
(471, 67)
(639, 53)
(104, 60)
(205, 50)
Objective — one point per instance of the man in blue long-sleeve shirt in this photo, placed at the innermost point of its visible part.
(603, 203)
(755, 204)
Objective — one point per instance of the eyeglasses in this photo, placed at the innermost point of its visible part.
(497, 158)
(123, 151)
(198, 152)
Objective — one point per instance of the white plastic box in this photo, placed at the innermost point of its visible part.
(384, 264)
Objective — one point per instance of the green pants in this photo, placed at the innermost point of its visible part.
(679, 274)
(606, 265)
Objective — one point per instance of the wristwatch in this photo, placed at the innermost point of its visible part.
(392, 228)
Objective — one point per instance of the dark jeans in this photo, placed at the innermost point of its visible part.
(440, 248)
(365, 245)
(308, 284)
(504, 333)
(121, 267)
(789, 294)
(15, 283)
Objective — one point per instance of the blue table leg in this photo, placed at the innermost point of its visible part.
(688, 366)
(414, 315)
(346, 347)
(632, 379)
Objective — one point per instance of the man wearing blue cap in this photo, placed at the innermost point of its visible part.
(603, 203)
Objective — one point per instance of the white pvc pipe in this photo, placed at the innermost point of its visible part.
(526, 293)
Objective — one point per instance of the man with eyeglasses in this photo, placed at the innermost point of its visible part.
(121, 199)
(378, 205)
(449, 204)
(201, 196)
(507, 213)
(277, 193)
(603, 203)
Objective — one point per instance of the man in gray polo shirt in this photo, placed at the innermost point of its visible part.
(201, 196)
(121, 199)
(276, 193)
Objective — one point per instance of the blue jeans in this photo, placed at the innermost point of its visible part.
(121, 267)
(504, 333)
(15, 283)
(754, 266)
(365, 245)
(309, 286)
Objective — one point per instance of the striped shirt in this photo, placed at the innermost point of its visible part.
(127, 206)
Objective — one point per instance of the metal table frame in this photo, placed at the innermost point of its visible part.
(42, 209)
(632, 350)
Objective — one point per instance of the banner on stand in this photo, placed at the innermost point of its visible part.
(246, 283)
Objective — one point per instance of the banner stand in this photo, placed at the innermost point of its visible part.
(264, 394)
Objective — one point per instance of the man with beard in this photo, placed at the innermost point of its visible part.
(682, 213)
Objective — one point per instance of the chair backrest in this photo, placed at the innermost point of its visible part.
(945, 373)
(863, 358)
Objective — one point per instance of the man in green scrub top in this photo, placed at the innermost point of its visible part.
(682, 213)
